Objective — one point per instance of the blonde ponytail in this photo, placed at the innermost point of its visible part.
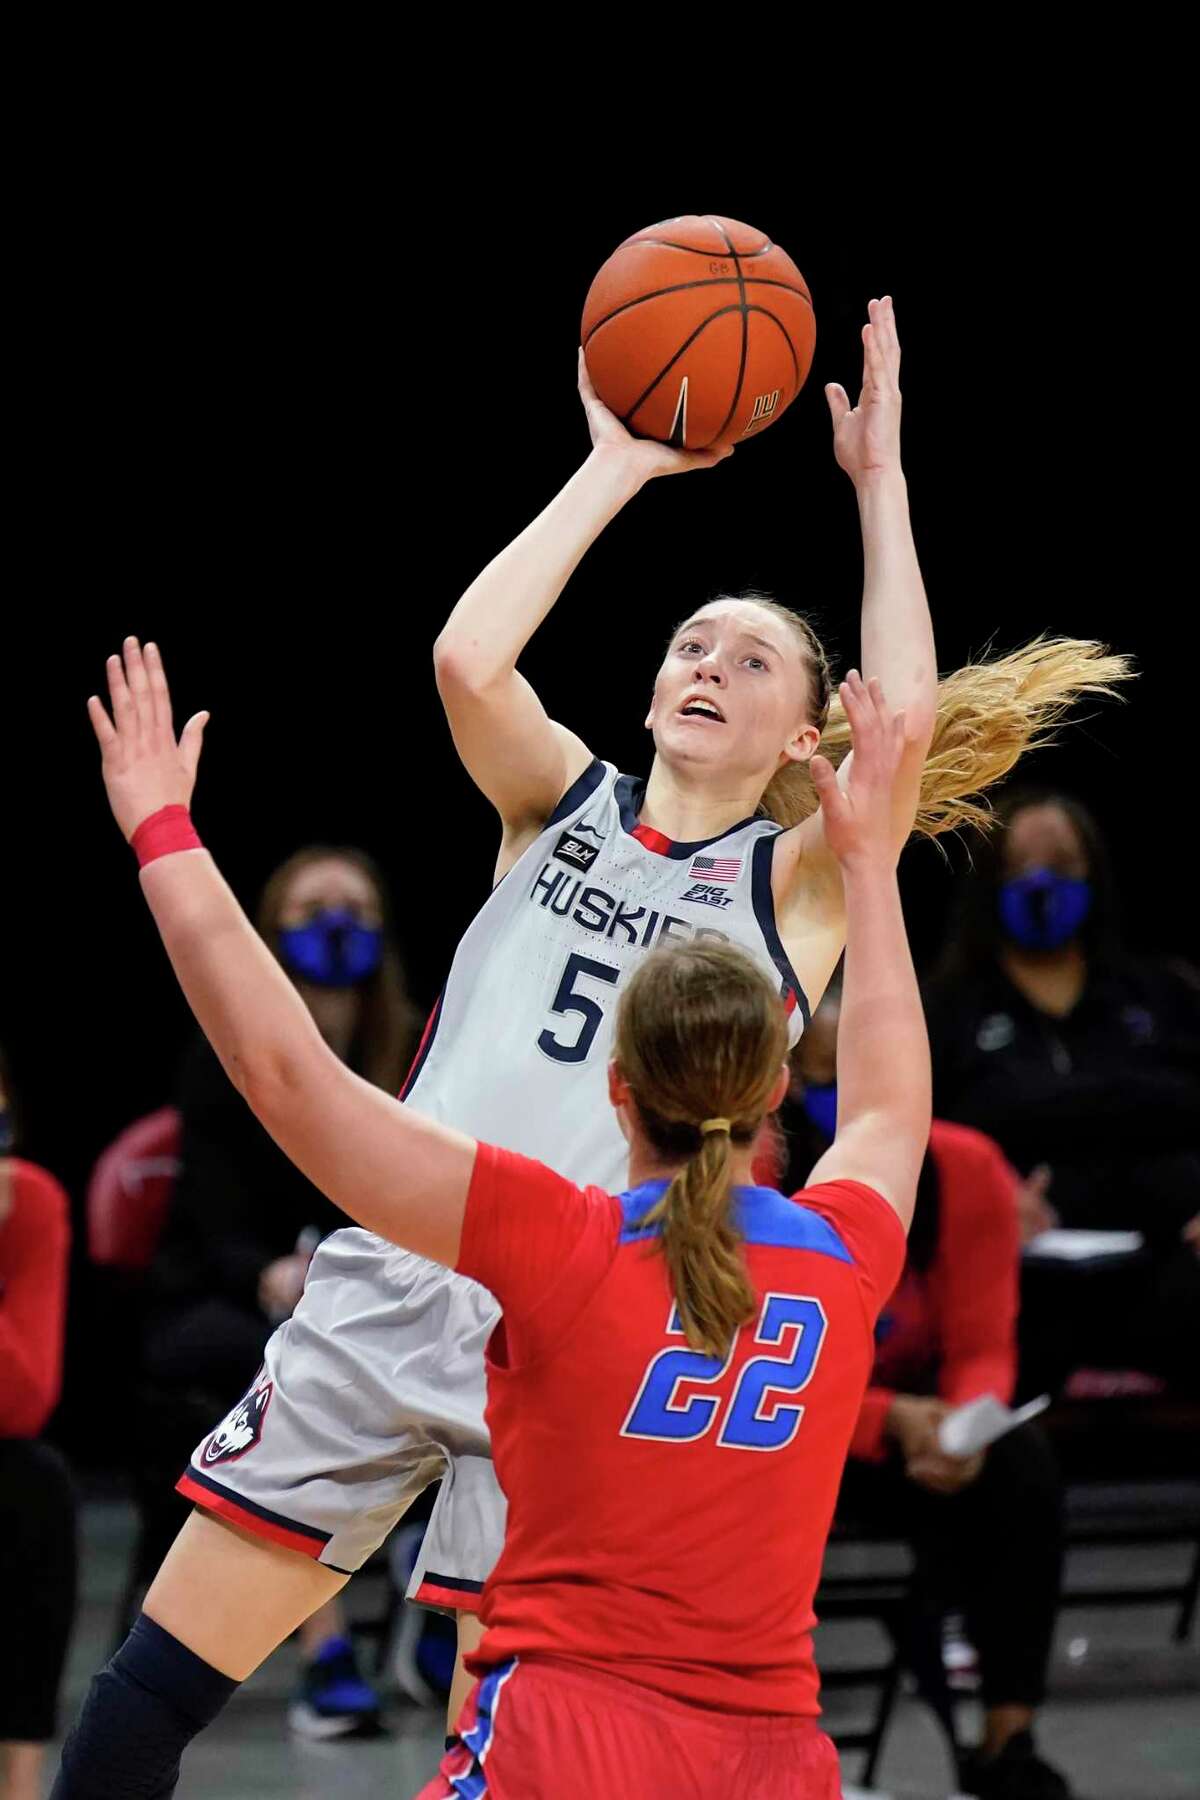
(988, 715)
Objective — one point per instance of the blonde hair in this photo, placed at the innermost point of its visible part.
(701, 1036)
(988, 715)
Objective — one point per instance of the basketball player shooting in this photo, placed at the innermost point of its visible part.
(724, 838)
(664, 1676)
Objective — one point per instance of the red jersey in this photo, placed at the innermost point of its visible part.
(951, 1329)
(668, 1511)
(35, 1247)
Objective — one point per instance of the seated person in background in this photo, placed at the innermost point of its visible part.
(1075, 1056)
(986, 1530)
(244, 1221)
(37, 1500)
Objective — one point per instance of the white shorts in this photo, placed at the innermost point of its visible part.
(372, 1389)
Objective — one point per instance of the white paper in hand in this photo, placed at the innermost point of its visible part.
(1083, 1246)
(973, 1426)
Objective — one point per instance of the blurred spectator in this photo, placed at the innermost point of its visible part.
(37, 1500)
(244, 1221)
(1084, 1064)
(986, 1530)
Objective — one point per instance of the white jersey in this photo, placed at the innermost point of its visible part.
(517, 1050)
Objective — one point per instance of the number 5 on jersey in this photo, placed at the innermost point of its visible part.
(571, 999)
(669, 1408)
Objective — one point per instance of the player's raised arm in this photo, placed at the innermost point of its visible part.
(397, 1173)
(517, 755)
(883, 1050)
(896, 629)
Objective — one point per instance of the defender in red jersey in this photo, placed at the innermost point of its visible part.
(610, 1431)
(674, 1384)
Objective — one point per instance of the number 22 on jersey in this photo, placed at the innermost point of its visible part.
(672, 1407)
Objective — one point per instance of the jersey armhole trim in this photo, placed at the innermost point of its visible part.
(580, 790)
(764, 911)
(424, 1047)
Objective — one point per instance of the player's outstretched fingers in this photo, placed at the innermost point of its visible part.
(856, 702)
(839, 402)
(873, 363)
(102, 725)
(824, 778)
(123, 710)
(191, 742)
(890, 725)
(160, 693)
(865, 720)
(891, 337)
(139, 686)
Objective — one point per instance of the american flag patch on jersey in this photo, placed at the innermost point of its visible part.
(715, 868)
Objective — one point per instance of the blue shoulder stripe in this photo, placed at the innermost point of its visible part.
(763, 1217)
(580, 790)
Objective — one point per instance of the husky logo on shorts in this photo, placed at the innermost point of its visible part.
(239, 1430)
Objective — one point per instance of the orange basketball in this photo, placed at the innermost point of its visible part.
(698, 332)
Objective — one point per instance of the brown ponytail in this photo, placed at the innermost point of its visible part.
(700, 1036)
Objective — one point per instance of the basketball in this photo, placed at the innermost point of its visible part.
(698, 332)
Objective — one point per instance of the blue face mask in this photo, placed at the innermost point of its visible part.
(1042, 910)
(6, 1132)
(332, 950)
(820, 1103)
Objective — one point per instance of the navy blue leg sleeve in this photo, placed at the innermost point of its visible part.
(142, 1711)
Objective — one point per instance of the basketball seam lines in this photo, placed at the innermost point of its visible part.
(709, 281)
(687, 344)
(787, 338)
(667, 367)
(694, 249)
(737, 392)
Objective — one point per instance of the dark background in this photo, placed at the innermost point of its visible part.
(285, 405)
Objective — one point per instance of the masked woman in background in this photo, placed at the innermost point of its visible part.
(1083, 1062)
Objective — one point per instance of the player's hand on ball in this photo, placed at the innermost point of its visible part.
(645, 457)
(858, 818)
(144, 768)
(866, 437)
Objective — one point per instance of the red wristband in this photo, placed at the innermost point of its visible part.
(167, 830)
